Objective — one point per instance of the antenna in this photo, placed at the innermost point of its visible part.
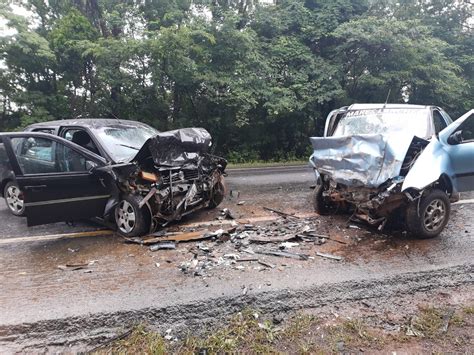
(110, 111)
(388, 95)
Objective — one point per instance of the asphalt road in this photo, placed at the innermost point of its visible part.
(43, 307)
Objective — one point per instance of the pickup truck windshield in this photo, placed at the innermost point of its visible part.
(123, 141)
(384, 121)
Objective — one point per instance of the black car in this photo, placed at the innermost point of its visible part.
(117, 170)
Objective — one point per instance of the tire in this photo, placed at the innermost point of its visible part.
(217, 194)
(14, 198)
(131, 220)
(320, 206)
(434, 209)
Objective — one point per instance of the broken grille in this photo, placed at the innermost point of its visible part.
(182, 175)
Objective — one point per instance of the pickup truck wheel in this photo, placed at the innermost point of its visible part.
(217, 194)
(434, 210)
(320, 205)
(14, 199)
(131, 220)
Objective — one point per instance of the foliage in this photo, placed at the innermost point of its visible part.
(260, 77)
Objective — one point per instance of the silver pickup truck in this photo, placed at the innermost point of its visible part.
(400, 161)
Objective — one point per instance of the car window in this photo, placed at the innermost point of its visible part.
(44, 156)
(123, 141)
(82, 138)
(467, 128)
(438, 121)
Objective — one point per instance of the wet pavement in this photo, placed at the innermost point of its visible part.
(127, 283)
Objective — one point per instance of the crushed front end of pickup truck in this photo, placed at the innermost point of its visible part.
(172, 175)
(364, 174)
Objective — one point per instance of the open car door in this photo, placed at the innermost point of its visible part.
(57, 177)
(459, 143)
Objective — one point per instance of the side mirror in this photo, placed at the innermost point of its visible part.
(455, 138)
(90, 165)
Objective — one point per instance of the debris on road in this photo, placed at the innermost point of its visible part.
(275, 239)
(163, 245)
(264, 263)
(76, 266)
(226, 214)
(284, 254)
(239, 245)
(280, 213)
(288, 245)
(329, 256)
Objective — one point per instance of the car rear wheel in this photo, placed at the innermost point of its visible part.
(131, 220)
(428, 219)
(14, 199)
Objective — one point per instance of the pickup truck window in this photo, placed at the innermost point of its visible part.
(438, 121)
(384, 121)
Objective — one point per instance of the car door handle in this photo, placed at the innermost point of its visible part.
(36, 187)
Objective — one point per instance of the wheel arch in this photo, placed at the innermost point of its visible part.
(444, 183)
(4, 183)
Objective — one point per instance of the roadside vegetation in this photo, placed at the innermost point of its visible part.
(260, 76)
(429, 330)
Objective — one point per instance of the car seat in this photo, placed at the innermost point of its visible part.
(83, 139)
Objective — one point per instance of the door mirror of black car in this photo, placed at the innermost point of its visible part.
(90, 165)
(455, 138)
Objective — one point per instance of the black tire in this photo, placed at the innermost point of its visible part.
(131, 220)
(217, 194)
(434, 210)
(320, 205)
(14, 198)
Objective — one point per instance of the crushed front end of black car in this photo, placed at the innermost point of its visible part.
(171, 176)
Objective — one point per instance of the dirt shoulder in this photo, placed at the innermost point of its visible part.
(437, 321)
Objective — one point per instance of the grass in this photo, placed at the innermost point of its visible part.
(352, 333)
(248, 332)
(468, 310)
(140, 341)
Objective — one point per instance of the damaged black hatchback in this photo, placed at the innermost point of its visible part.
(120, 171)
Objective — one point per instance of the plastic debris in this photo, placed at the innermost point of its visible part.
(163, 245)
(329, 256)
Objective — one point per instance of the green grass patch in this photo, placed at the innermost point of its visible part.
(266, 164)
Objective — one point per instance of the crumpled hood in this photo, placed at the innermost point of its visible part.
(175, 148)
(360, 160)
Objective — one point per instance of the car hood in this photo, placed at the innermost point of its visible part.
(360, 160)
(175, 148)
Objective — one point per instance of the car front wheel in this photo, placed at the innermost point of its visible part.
(14, 199)
(217, 194)
(428, 217)
(131, 220)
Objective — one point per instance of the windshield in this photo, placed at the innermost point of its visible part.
(123, 141)
(384, 121)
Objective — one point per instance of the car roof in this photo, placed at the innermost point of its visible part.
(392, 106)
(87, 122)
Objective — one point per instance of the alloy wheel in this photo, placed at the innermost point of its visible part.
(435, 215)
(14, 198)
(125, 216)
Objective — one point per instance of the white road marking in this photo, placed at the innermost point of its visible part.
(461, 202)
(56, 236)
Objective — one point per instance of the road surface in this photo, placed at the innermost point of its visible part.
(46, 308)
